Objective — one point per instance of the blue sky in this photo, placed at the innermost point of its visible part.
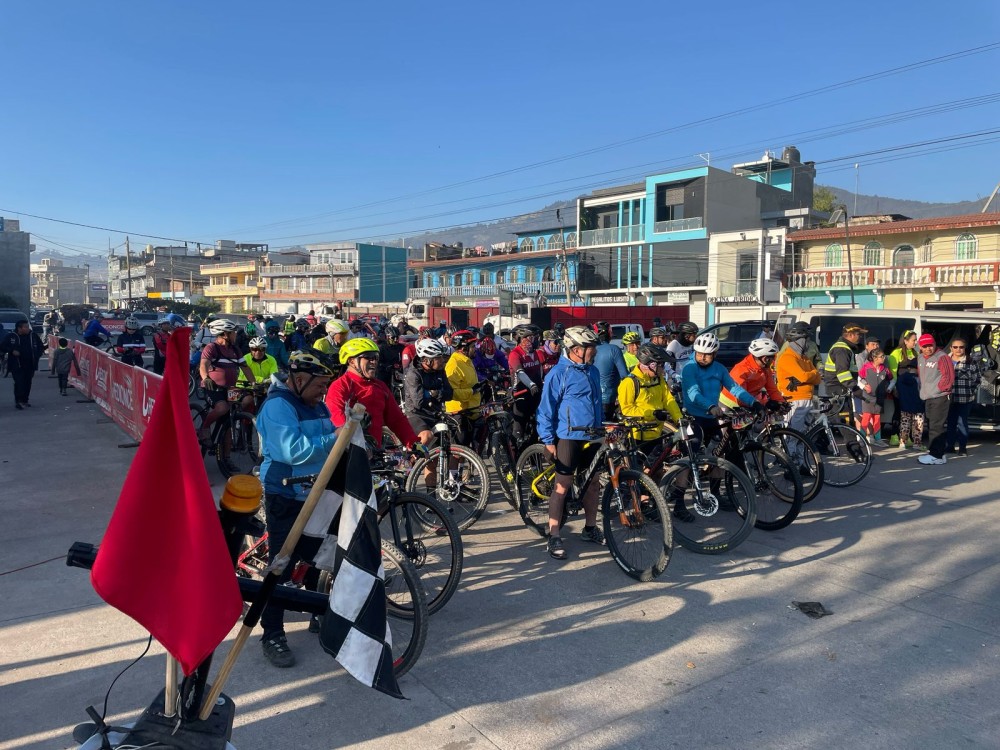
(299, 122)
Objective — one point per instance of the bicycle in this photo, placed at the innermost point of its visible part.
(234, 441)
(845, 452)
(634, 513)
(796, 446)
(501, 446)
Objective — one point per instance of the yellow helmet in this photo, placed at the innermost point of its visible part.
(354, 347)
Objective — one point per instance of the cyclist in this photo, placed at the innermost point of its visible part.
(796, 374)
(526, 372)
(219, 368)
(296, 435)
(488, 355)
(645, 395)
(658, 337)
(262, 365)
(755, 374)
(51, 322)
(401, 325)
(465, 385)
(425, 391)
(310, 319)
(552, 349)
(610, 363)
(390, 362)
(92, 333)
(297, 340)
(337, 334)
(446, 338)
(571, 398)
(275, 346)
(631, 341)
(410, 350)
(358, 384)
(680, 348)
(160, 339)
(131, 344)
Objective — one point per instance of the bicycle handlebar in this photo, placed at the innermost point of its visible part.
(305, 479)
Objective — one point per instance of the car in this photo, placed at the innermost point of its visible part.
(9, 317)
(735, 338)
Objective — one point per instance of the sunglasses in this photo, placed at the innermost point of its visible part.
(369, 356)
(957, 347)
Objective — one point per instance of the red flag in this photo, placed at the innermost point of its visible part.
(163, 561)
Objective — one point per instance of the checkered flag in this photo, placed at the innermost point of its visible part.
(355, 630)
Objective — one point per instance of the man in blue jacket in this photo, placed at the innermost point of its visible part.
(571, 397)
(610, 363)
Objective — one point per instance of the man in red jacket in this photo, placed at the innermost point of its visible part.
(360, 385)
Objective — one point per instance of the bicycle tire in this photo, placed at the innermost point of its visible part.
(532, 490)
(795, 444)
(778, 489)
(717, 526)
(429, 537)
(644, 519)
(406, 607)
(466, 493)
(504, 459)
(244, 454)
(848, 460)
(198, 413)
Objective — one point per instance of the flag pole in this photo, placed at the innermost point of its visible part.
(170, 693)
(283, 557)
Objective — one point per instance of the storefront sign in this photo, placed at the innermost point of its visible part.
(608, 299)
(678, 298)
(736, 299)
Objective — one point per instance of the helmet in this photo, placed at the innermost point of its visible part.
(290, 317)
(391, 334)
(579, 336)
(560, 329)
(131, 323)
(311, 361)
(763, 348)
(396, 320)
(302, 324)
(442, 322)
(450, 330)
(706, 343)
(354, 347)
(659, 331)
(357, 324)
(689, 328)
(257, 343)
(798, 330)
(650, 353)
(525, 329)
(221, 326)
(603, 330)
(550, 336)
(335, 326)
(164, 322)
(463, 338)
(488, 329)
(272, 328)
(631, 338)
(430, 348)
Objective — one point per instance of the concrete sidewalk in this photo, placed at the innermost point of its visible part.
(531, 653)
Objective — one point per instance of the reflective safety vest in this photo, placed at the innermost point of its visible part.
(829, 366)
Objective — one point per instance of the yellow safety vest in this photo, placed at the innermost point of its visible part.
(845, 376)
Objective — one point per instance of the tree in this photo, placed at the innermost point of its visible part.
(824, 199)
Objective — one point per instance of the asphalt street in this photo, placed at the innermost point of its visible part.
(531, 653)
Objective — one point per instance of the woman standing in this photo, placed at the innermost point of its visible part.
(903, 365)
(963, 395)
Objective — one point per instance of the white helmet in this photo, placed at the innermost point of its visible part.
(430, 348)
(131, 323)
(336, 326)
(763, 347)
(580, 336)
(257, 343)
(706, 343)
(397, 319)
(221, 326)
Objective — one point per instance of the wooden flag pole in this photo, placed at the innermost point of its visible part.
(170, 693)
(281, 560)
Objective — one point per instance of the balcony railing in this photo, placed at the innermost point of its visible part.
(221, 290)
(294, 295)
(314, 269)
(239, 265)
(945, 274)
(613, 235)
(492, 290)
(679, 225)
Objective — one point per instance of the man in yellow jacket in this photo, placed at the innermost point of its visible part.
(797, 375)
(644, 393)
(465, 385)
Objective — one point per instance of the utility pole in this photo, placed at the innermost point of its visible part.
(128, 268)
(834, 219)
(562, 244)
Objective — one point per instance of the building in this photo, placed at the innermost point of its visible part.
(945, 262)
(334, 277)
(235, 284)
(15, 260)
(53, 283)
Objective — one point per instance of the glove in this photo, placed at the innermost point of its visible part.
(661, 414)
(208, 384)
(773, 405)
(757, 407)
(477, 387)
(715, 411)
(794, 383)
(534, 389)
(419, 449)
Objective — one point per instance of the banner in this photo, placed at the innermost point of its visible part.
(146, 389)
(85, 356)
(99, 381)
(123, 399)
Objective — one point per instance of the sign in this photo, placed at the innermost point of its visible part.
(609, 299)
(736, 299)
(506, 301)
(487, 303)
(147, 388)
(122, 397)
(678, 298)
(99, 376)
(85, 356)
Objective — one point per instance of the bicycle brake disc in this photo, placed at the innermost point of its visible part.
(707, 506)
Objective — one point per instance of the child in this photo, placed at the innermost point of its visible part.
(64, 359)
(875, 382)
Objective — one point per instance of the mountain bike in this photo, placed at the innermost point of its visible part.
(846, 454)
(806, 460)
(501, 447)
(234, 440)
(635, 517)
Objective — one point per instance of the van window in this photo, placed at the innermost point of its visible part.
(417, 311)
(888, 330)
(945, 331)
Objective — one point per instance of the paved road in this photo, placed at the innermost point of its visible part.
(535, 654)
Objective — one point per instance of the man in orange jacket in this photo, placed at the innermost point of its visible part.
(754, 374)
(797, 374)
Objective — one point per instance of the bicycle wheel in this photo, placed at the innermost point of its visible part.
(406, 607)
(431, 541)
(465, 491)
(198, 413)
(713, 504)
(237, 450)
(504, 459)
(805, 458)
(778, 487)
(846, 454)
(535, 473)
(637, 525)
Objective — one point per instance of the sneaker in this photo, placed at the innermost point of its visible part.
(556, 548)
(907, 444)
(929, 460)
(963, 452)
(18, 406)
(314, 624)
(894, 441)
(593, 535)
(277, 652)
(879, 443)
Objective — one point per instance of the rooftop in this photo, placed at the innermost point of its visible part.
(964, 221)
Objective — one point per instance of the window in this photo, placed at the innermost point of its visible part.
(571, 240)
(903, 256)
(556, 242)
(547, 274)
(926, 252)
(526, 245)
(499, 278)
(873, 254)
(966, 247)
(540, 244)
(346, 258)
(834, 257)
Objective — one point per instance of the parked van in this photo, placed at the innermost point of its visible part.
(976, 327)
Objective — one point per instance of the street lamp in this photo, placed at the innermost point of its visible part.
(841, 212)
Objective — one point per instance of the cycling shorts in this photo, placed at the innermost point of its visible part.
(215, 395)
(572, 456)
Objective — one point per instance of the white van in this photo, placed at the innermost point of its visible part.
(977, 327)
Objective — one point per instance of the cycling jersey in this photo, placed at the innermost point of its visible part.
(571, 397)
(276, 348)
(131, 347)
(682, 355)
(262, 371)
(756, 380)
(462, 377)
(610, 363)
(528, 362)
(640, 395)
(425, 392)
(93, 330)
(703, 386)
(350, 389)
(223, 364)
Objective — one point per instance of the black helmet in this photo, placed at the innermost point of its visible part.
(688, 328)
(488, 329)
(649, 353)
(603, 330)
(560, 329)
(798, 330)
(525, 329)
(391, 335)
(658, 331)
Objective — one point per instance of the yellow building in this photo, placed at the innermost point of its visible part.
(235, 285)
(916, 263)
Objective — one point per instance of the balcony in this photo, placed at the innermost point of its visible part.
(888, 277)
(225, 290)
(296, 295)
(492, 290)
(632, 233)
(314, 269)
(246, 266)
(679, 225)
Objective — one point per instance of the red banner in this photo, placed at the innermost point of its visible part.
(147, 387)
(85, 357)
(100, 381)
(123, 398)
